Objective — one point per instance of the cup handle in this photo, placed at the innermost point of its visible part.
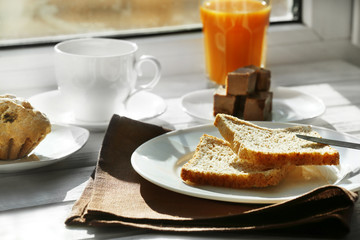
(156, 78)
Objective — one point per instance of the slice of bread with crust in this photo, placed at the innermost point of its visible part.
(214, 163)
(272, 148)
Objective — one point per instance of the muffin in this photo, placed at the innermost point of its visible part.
(22, 127)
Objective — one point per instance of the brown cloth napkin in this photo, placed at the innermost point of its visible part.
(117, 195)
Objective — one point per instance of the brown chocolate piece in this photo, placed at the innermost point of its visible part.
(242, 81)
(258, 106)
(224, 103)
(263, 78)
(228, 104)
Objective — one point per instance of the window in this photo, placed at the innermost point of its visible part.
(42, 21)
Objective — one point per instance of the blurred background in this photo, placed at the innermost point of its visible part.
(42, 21)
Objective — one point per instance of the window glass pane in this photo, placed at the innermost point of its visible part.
(41, 21)
(285, 10)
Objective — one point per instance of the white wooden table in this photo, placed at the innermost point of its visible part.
(34, 204)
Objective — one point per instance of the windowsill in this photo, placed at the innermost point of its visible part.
(180, 54)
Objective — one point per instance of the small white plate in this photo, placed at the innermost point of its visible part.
(143, 105)
(160, 160)
(288, 105)
(60, 143)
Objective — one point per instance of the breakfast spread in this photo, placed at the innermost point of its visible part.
(22, 127)
(246, 94)
(253, 156)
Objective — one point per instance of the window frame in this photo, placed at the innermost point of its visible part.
(182, 53)
(355, 38)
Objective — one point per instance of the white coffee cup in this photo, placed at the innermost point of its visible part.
(94, 75)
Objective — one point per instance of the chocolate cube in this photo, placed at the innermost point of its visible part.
(263, 78)
(228, 104)
(258, 106)
(242, 81)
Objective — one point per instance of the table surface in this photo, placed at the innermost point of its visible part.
(34, 204)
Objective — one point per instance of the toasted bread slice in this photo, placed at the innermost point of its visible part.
(273, 148)
(214, 163)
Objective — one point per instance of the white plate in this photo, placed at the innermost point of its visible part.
(160, 160)
(288, 105)
(141, 106)
(60, 143)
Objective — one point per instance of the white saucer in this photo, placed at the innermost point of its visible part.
(288, 105)
(141, 106)
(61, 142)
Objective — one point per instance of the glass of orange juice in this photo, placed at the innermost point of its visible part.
(234, 35)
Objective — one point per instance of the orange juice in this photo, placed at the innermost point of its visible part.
(234, 35)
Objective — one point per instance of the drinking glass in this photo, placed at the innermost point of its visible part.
(234, 35)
